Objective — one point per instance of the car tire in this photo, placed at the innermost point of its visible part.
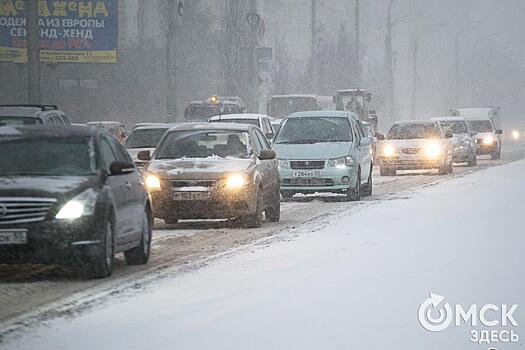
(287, 194)
(367, 189)
(101, 264)
(254, 220)
(387, 172)
(354, 195)
(273, 213)
(140, 254)
(473, 162)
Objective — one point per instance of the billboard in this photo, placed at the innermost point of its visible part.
(71, 31)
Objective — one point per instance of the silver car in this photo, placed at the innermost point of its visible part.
(464, 147)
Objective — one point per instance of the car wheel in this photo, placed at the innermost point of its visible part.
(473, 162)
(387, 172)
(254, 220)
(101, 264)
(273, 213)
(287, 194)
(354, 195)
(140, 254)
(368, 188)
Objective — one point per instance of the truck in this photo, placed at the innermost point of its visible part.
(491, 113)
(358, 101)
(281, 106)
(202, 110)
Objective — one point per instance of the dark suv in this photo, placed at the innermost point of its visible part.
(14, 115)
(70, 195)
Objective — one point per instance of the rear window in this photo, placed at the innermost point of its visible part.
(144, 138)
(18, 121)
(414, 131)
(238, 121)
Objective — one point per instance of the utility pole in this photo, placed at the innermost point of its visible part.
(389, 62)
(253, 71)
(171, 101)
(357, 14)
(33, 53)
(315, 75)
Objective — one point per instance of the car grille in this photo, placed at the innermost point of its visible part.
(306, 182)
(17, 210)
(307, 164)
(411, 150)
(193, 183)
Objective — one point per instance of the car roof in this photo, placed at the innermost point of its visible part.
(47, 131)
(448, 119)
(342, 114)
(238, 116)
(153, 127)
(21, 111)
(409, 122)
(213, 126)
(293, 95)
(104, 122)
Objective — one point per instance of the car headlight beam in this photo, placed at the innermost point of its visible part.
(489, 140)
(433, 150)
(236, 181)
(82, 205)
(152, 182)
(389, 151)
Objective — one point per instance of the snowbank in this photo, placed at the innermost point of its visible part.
(357, 283)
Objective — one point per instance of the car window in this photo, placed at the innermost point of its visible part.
(262, 140)
(57, 120)
(65, 119)
(268, 126)
(119, 151)
(106, 152)
(16, 121)
(481, 125)
(359, 129)
(48, 120)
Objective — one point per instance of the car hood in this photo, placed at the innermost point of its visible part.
(482, 135)
(199, 168)
(133, 152)
(458, 139)
(58, 187)
(312, 151)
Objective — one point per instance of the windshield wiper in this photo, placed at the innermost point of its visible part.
(299, 142)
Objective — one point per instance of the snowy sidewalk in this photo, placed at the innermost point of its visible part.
(355, 284)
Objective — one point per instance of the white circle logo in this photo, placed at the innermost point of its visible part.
(428, 310)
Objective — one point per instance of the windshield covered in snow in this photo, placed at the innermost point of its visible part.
(481, 125)
(414, 131)
(204, 144)
(314, 130)
(455, 127)
(144, 138)
(17, 121)
(68, 156)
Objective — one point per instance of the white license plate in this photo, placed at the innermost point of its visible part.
(307, 173)
(13, 237)
(191, 196)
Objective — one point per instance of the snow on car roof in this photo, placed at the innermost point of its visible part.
(212, 126)
(407, 122)
(448, 119)
(320, 114)
(238, 116)
(154, 126)
(104, 122)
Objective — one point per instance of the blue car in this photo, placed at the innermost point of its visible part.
(324, 151)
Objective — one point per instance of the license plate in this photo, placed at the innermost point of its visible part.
(13, 237)
(190, 196)
(308, 173)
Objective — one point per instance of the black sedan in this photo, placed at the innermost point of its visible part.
(71, 196)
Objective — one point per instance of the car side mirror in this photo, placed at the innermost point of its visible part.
(121, 168)
(365, 141)
(499, 132)
(144, 155)
(270, 135)
(449, 135)
(267, 154)
(380, 136)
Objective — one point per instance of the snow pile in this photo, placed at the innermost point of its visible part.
(356, 284)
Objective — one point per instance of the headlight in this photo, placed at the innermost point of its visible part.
(234, 182)
(433, 150)
(516, 134)
(489, 140)
(81, 205)
(152, 182)
(389, 151)
(283, 163)
(341, 162)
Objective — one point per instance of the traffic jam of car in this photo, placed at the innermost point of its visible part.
(77, 194)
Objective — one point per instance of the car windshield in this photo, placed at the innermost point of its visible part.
(455, 127)
(414, 131)
(238, 121)
(62, 156)
(481, 125)
(144, 138)
(204, 144)
(17, 121)
(314, 130)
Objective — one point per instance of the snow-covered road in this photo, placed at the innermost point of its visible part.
(349, 281)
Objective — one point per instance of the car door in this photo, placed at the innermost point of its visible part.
(135, 194)
(268, 168)
(119, 191)
(364, 152)
(135, 186)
